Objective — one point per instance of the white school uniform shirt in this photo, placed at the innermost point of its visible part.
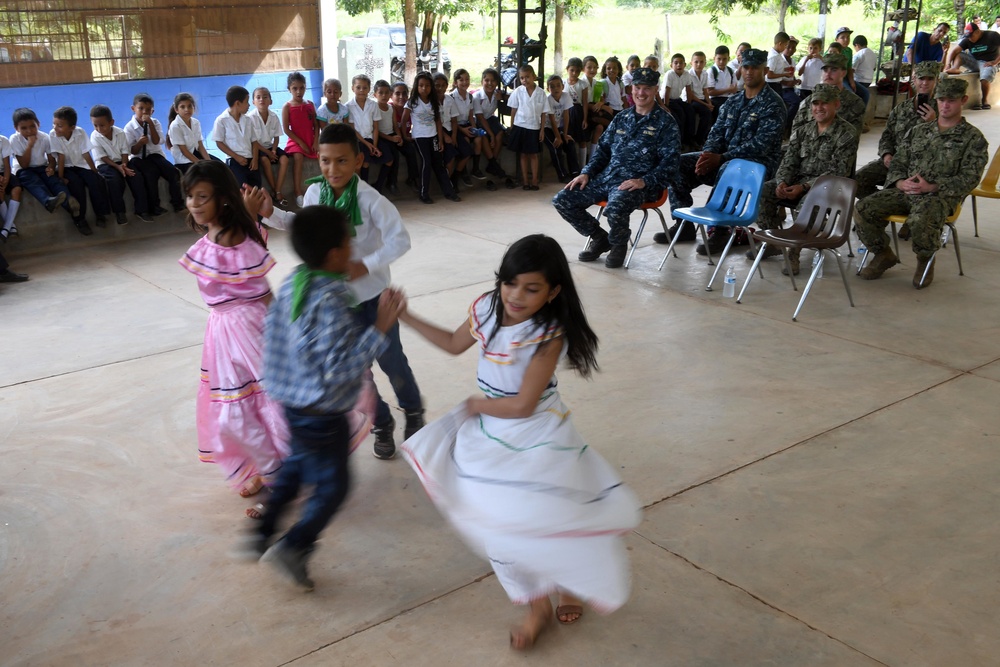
(578, 92)
(529, 107)
(449, 111)
(5, 151)
(236, 134)
(182, 135)
(364, 119)
(264, 132)
(112, 148)
(557, 107)
(422, 124)
(725, 79)
(387, 123)
(698, 84)
(380, 240)
(484, 104)
(614, 93)
(811, 73)
(462, 105)
(627, 78)
(39, 152)
(865, 62)
(73, 148)
(677, 83)
(776, 63)
(133, 132)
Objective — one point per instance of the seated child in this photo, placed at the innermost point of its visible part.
(469, 141)
(266, 129)
(9, 185)
(301, 125)
(184, 135)
(557, 135)
(577, 89)
(400, 94)
(810, 68)
(76, 167)
(35, 166)
(110, 152)
(676, 82)
(146, 139)
(701, 106)
(449, 125)
(365, 115)
(484, 105)
(387, 133)
(631, 65)
(316, 358)
(721, 83)
(234, 137)
(332, 111)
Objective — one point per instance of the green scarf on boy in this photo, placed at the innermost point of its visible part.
(346, 203)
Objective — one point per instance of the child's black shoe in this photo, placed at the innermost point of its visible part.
(101, 221)
(385, 444)
(121, 218)
(52, 203)
(290, 562)
(83, 227)
(414, 422)
(159, 210)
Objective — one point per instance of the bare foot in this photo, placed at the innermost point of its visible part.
(523, 636)
(570, 609)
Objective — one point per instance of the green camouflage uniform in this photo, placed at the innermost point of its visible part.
(953, 159)
(901, 119)
(809, 156)
(852, 109)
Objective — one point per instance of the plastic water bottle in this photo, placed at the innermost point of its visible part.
(729, 284)
(816, 257)
(862, 251)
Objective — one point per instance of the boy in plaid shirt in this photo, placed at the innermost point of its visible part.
(316, 357)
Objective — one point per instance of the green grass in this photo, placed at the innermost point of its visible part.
(608, 30)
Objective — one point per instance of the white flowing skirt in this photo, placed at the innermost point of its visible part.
(530, 496)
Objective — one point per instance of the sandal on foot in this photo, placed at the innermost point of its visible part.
(256, 512)
(566, 610)
(252, 486)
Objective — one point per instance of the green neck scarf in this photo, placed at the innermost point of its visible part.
(302, 281)
(346, 203)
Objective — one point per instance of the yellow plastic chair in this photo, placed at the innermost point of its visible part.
(988, 188)
(950, 230)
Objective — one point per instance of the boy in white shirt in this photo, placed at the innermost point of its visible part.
(233, 135)
(557, 135)
(701, 106)
(676, 83)
(265, 130)
(379, 240)
(111, 154)
(865, 62)
(721, 84)
(76, 167)
(9, 185)
(777, 66)
(35, 166)
(146, 139)
(365, 116)
(810, 68)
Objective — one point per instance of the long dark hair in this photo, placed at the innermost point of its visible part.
(414, 95)
(181, 97)
(233, 213)
(542, 254)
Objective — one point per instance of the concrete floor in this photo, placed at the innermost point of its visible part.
(817, 493)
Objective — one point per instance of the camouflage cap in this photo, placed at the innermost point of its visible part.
(645, 76)
(951, 88)
(824, 92)
(927, 69)
(834, 60)
(754, 58)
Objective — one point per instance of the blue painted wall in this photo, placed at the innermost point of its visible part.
(209, 93)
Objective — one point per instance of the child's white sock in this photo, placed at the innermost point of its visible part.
(8, 216)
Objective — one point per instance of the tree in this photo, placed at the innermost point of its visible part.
(564, 9)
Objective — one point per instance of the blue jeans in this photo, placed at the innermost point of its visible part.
(42, 186)
(320, 445)
(393, 363)
(863, 91)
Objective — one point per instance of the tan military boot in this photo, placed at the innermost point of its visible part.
(793, 260)
(904, 232)
(883, 260)
(919, 273)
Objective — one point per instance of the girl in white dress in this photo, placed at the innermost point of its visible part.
(508, 468)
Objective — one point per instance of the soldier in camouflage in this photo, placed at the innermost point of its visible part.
(827, 144)
(901, 119)
(750, 126)
(631, 165)
(852, 109)
(936, 167)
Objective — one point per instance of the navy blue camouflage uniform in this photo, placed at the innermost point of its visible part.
(750, 129)
(633, 146)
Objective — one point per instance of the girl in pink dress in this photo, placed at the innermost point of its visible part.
(239, 428)
(298, 119)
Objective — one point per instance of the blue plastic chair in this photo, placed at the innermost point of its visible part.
(734, 202)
